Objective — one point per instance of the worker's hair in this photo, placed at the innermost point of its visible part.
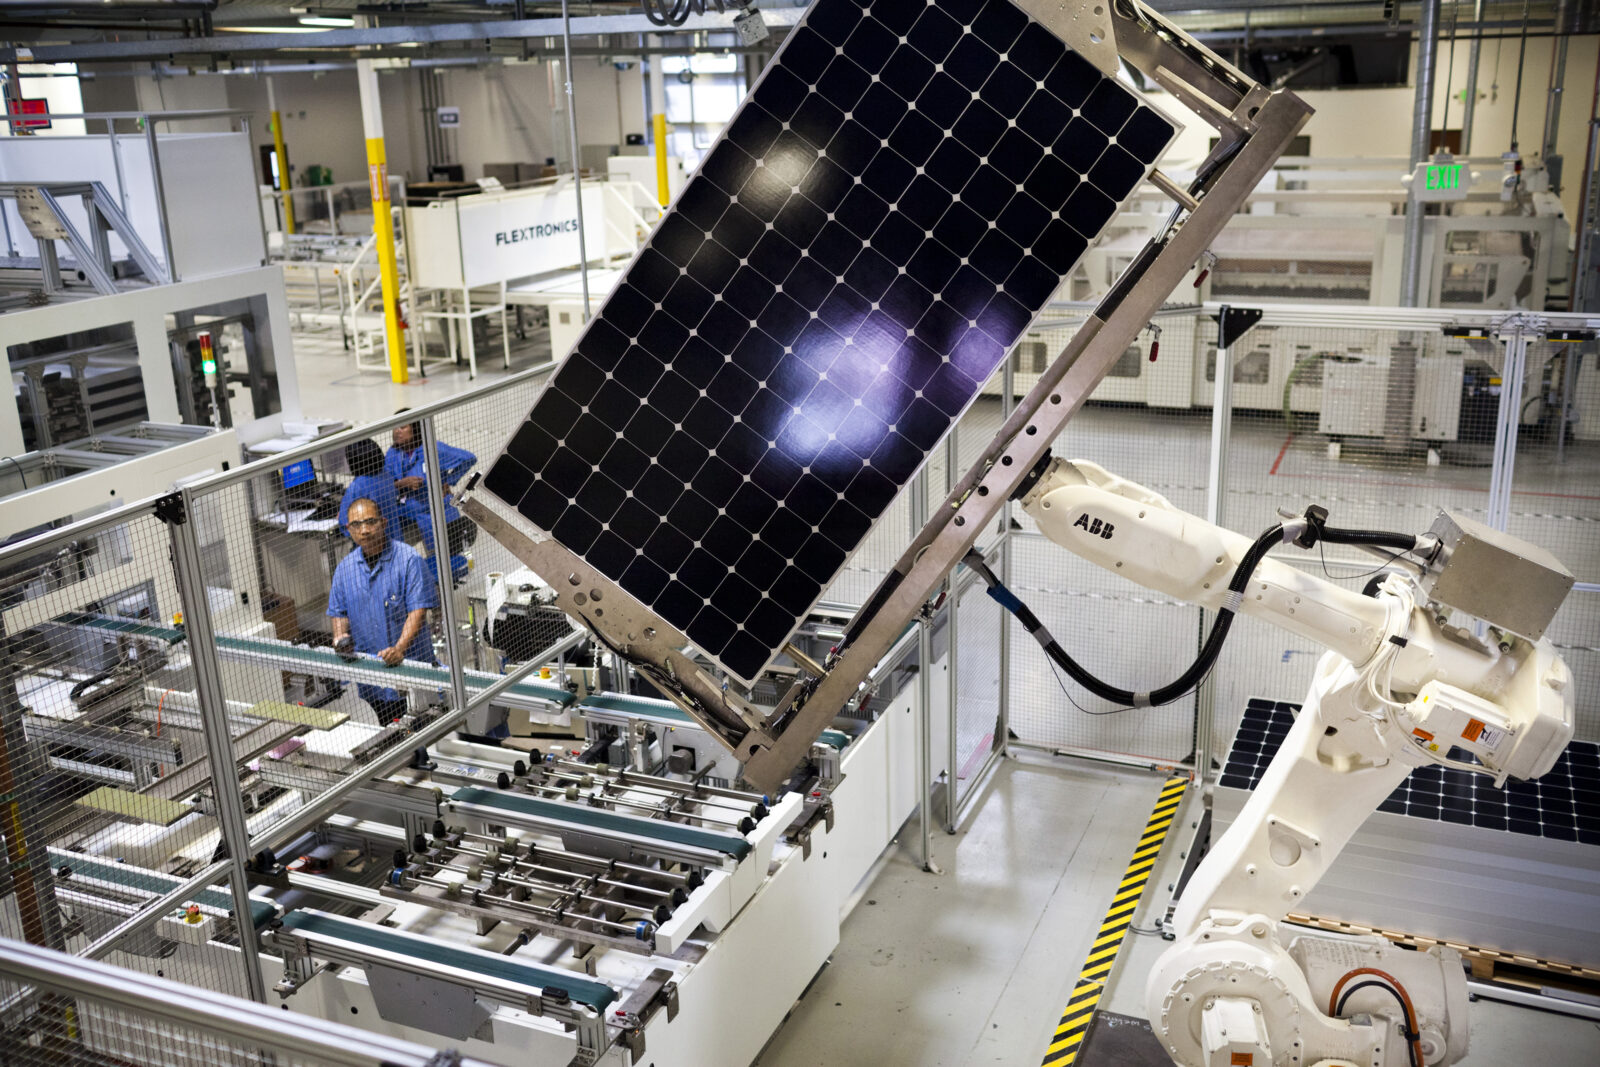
(365, 500)
(364, 457)
(416, 427)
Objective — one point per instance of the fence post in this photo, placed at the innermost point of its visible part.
(442, 566)
(952, 632)
(1216, 508)
(175, 510)
(1002, 729)
(919, 519)
(1507, 421)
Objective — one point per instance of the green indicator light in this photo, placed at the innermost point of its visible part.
(209, 366)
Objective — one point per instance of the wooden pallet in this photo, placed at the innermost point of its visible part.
(1487, 964)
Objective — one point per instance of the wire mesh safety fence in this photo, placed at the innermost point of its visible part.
(977, 726)
(1554, 499)
(324, 570)
(1382, 427)
(103, 763)
(1141, 427)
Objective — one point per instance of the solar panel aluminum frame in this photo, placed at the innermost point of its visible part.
(1256, 126)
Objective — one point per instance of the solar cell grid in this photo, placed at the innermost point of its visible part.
(1563, 805)
(893, 204)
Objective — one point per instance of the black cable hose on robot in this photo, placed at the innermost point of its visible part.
(1372, 538)
(1167, 693)
(1408, 1022)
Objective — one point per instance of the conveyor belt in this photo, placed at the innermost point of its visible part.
(595, 995)
(582, 817)
(164, 634)
(326, 662)
(408, 675)
(152, 883)
(665, 710)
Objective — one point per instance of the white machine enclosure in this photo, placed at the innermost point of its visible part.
(776, 920)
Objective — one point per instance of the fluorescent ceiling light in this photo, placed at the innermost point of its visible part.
(328, 21)
(266, 29)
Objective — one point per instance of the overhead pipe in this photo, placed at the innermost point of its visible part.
(1470, 100)
(173, 8)
(1549, 155)
(1421, 131)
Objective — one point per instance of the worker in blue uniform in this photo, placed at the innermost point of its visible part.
(404, 462)
(370, 481)
(379, 604)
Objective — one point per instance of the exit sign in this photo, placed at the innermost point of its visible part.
(1443, 176)
(1440, 181)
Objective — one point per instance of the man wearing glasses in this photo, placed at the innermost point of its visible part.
(379, 604)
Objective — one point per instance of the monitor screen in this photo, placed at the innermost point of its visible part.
(299, 474)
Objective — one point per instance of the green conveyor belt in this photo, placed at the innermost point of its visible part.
(142, 881)
(595, 995)
(836, 738)
(406, 675)
(323, 660)
(120, 626)
(602, 819)
(646, 708)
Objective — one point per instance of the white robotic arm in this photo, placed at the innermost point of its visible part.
(1400, 687)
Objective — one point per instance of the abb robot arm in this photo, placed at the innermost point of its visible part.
(1399, 687)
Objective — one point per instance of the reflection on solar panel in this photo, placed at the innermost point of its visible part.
(1564, 804)
(904, 190)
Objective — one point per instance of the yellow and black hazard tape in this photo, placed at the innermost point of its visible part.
(1081, 1005)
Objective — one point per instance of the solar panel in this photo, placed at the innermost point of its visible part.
(1563, 805)
(887, 212)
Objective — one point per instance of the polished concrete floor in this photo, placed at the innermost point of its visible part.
(974, 965)
(332, 387)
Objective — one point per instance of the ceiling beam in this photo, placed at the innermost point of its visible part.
(224, 45)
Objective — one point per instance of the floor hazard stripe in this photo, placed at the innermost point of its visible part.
(1085, 997)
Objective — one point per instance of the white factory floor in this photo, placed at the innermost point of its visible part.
(332, 387)
(974, 965)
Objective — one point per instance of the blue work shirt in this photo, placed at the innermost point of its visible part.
(453, 464)
(376, 599)
(378, 488)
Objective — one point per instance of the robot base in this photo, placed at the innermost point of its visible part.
(1245, 990)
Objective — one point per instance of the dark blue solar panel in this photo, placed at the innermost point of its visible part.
(1564, 804)
(902, 192)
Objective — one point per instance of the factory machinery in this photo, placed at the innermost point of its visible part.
(580, 896)
(1323, 233)
(662, 888)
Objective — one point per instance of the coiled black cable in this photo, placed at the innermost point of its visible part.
(676, 12)
(1155, 697)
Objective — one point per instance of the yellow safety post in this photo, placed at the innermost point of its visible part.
(285, 183)
(662, 192)
(382, 220)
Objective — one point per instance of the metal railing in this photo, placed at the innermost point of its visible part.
(79, 1009)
